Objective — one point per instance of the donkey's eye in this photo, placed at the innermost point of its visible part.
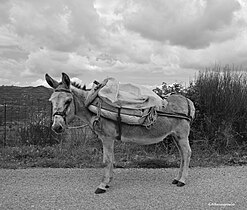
(68, 101)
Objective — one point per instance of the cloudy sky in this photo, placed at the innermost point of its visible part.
(140, 41)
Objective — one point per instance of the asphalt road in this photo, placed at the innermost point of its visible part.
(207, 188)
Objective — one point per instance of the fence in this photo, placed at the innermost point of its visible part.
(22, 124)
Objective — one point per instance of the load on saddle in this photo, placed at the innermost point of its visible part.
(127, 103)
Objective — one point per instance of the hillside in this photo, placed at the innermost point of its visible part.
(23, 103)
(24, 95)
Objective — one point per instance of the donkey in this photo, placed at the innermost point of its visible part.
(68, 101)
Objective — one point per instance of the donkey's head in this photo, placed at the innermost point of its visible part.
(62, 102)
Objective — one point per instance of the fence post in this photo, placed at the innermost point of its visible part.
(50, 122)
(5, 125)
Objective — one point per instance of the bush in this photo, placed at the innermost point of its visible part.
(38, 134)
(166, 89)
(219, 95)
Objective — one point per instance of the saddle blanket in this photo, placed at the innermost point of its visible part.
(130, 96)
(137, 104)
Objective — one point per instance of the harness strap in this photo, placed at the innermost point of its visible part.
(189, 109)
(97, 121)
(119, 121)
(175, 115)
(63, 90)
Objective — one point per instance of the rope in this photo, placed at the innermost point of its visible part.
(97, 121)
(76, 127)
(150, 117)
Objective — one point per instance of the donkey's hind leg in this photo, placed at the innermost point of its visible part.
(179, 174)
(183, 145)
(108, 159)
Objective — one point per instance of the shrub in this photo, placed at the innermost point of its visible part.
(166, 89)
(219, 95)
(36, 134)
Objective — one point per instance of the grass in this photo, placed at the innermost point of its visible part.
(127, 156)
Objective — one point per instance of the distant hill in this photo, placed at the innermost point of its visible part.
(23, 103)
(24, 95)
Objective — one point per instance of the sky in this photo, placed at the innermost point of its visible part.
(138, 41)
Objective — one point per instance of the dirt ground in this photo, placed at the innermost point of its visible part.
(48, 188)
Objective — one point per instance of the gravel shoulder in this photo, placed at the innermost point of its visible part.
(49, 188)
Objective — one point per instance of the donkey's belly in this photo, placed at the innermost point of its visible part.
(142, 135)
(141, 141)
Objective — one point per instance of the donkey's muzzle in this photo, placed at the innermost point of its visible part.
(58, 124)
(58, 128)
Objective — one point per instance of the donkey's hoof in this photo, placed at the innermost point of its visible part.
(175, 181)
(107, 186)
(180, 184)
(99, 191)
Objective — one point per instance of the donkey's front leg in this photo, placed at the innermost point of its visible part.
(108, 159)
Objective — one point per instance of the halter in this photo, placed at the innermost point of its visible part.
(63, 113)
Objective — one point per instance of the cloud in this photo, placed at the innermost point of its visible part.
(4, 11)
(55, 62)
(7, 37)
(44, 60)
(135, 41)
(57, 24)
(230, 52)
(39, 82)
(10, 68)
(191, 24)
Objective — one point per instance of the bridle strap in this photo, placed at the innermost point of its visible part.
(63, 113)
(63, 90)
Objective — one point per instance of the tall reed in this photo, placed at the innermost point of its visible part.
(220, 96)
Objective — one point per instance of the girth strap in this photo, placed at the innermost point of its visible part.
(118, 121)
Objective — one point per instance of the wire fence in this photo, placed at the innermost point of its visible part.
(22, 124)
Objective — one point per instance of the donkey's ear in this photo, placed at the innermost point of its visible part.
(53, 83)
(66, 80)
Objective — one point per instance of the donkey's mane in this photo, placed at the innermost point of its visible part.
(78, 86)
